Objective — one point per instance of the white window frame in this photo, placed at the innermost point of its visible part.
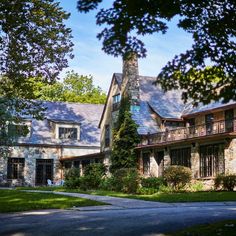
(67, 126)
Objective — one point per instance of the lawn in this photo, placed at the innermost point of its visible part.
(222, 228)
(14, 201)
(211, 196)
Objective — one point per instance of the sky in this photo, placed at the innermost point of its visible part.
(89, 59)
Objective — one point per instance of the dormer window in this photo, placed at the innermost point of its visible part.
(65, 129)
(68, 133)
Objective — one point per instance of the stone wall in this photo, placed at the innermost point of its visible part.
(31, 154)
(230, 157)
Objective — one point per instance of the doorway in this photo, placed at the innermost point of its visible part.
(44, 171)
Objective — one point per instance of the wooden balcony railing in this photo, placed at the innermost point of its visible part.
(215, 127)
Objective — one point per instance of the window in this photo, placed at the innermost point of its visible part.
(76, 164)
(209, 123)
(67, 164)
(15, 168)
(44, 171)
(229, 120)
(146, 164)
(116, 102)
(107, 135)
(211, 160)
(134, 108)
(181, 157)
(85, 163)
(67, 133)
(116, 98)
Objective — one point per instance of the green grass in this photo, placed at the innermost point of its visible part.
(223, 228)
(14, 201)
(211, 196)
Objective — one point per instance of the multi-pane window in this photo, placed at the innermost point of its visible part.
(107, 135)
(209, 123)
(67, 133)
(67, 164)
(146, 163)
(116, 102)
(229, 120)
(181, 157)
(191, 125)
(15, 168)
(211, 160)
(116, 98)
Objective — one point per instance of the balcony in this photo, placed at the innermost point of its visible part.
(197, 131)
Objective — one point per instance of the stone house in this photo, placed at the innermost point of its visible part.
(69, 130)
(172, 133)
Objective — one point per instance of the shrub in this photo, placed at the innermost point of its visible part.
(107, 184)
(72, 178)
(126, 180)
(227, 182)
(93, 175)
(152, 182)
(177, 177)
(196, 186)
(218, 181)
(147, 191)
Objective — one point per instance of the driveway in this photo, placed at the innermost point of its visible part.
(124, 217)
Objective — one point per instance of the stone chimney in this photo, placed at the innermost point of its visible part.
(130, 82)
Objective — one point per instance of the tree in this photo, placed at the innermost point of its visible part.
(34, 42)
(211, 23)
(125, 139)
(74, 88)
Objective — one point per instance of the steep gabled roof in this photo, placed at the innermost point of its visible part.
(166, 105)
(116, 78)
(86, 115)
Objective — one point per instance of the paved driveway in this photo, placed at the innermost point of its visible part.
(124, 217)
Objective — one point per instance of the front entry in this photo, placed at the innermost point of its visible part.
(44, 171)
(159, 157)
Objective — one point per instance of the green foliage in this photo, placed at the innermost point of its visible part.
(72, 178)
(147, 191)
(226, 227)
(152, 182)
(177, 177)
(124, 107)
(93, 175)
(211, 23)
(226, 182)
(91, 179)
(196, 186)
(126, 180)
(34, 42)
(125, 139)
(74, 88)
(108, 184)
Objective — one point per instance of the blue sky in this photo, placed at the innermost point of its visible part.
(91, 60)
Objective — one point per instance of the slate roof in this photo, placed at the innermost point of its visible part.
(167, 105)
(118, 78)
(190, 109)
(87, 115)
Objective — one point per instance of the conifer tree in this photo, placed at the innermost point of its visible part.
(125, 139)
